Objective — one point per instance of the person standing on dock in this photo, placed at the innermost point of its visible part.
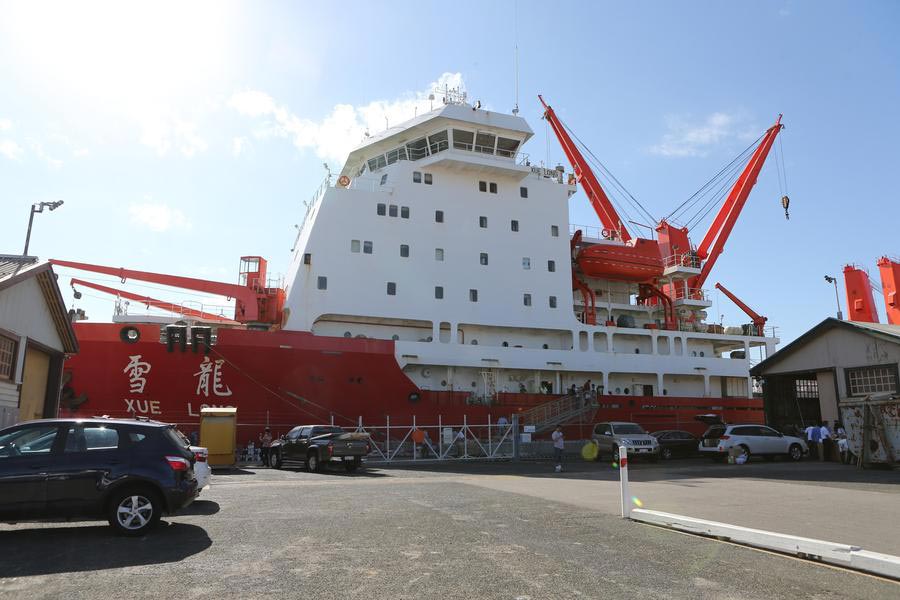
(265, 441)
(559, 444)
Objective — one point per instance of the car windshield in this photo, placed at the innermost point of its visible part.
(327, 431)
(629, 428)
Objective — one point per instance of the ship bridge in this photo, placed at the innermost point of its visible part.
(455, 136)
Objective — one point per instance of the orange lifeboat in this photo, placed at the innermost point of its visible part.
(638, 260)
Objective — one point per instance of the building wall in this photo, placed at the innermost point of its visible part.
(828, 401)
(23, 310)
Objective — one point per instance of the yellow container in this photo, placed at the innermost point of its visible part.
(218, 434)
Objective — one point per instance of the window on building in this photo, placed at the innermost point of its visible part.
(7, 357)
(523, 192)
(354, 245)
(493, 187)
(391, 288)
(392, 210)
(438, 216)
(552, 301)
(404, 212)
(871, 380)
(428, 179)
(367, 247)
(551, 266)
(322, 283)
(383, 179)
(514, 225)
(482, 222)
(439, 254)
(554, 230)
(526, 263)
(381, 209)
(438, 292)
(404, 250)
(417, 177)
(806, 388)
(307, 258)
(482, 186)
(526, 299)
(473, 295)
(483, 259)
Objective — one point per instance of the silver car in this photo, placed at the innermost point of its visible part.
(613, 435)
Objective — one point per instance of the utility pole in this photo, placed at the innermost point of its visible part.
(837, 299)
(38, 207)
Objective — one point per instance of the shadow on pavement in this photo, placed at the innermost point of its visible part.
(50, 550)
(231, 471)
(366, 473)
(200, 507)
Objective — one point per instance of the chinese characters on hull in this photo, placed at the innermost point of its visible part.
(209, 381)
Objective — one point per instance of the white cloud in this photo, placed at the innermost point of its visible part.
(38, 149)
(239, 145)
(165, 135)
(10, 149)
(686, 138)
(158, 217)
(5, 124)
(81, 152)
(344, 127)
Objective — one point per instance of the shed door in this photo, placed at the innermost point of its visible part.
(34, 384)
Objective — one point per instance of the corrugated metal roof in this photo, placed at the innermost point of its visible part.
(892, 330)
(11, 264)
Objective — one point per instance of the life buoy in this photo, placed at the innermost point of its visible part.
(343, 181)
(606, 233)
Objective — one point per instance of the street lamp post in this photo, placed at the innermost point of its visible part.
(38, 207)
(837, 299)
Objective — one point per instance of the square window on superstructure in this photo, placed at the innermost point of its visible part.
(383, 179)
(526, 299)
(307, 258)
(438, 216)
(554, 230)
(514, 225)
(392, 210)
(391, 288)
(404, 250)
(551, 266)
(493, 187)
(483, 259)
(438, 292)
(439, 254)
(482, 186)
(354, 245)
(322, 283)
(417, 177)
(482, 222)
(428, 179)
(526, 263)
(462, 139)
(367, 247)
(473, 295)
(523, 192)
(381, 209)
(404, 212)
(552, 301)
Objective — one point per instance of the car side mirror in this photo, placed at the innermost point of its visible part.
(607, 433)
(780, 434)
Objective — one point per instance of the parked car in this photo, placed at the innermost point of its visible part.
(202, 470)
(318, 445)
(674, 442)
(609, 437)
(751, 440)
(127, 471)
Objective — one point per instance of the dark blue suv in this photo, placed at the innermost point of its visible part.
(127, 471)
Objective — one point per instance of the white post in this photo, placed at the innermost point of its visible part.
(490, 453)
(414, 439)
(623, 482)
(440, 439)
(388, 429)
(465, 436)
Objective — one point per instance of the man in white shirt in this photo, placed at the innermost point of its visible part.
(559, 444)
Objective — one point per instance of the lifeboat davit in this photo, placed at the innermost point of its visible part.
(638, 260)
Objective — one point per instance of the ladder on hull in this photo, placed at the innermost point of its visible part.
(559, 411)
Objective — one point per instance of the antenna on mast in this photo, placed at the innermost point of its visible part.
(515, 110)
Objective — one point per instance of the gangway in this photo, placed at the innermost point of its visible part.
(559, 411)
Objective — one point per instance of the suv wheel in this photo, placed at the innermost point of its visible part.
(133, 512)
(312, 462)
(665, 453)
(746, 452)
(275, 459)
(795, 452)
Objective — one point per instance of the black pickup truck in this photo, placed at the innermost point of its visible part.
(318, 445)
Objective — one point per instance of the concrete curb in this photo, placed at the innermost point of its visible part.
(844, 555)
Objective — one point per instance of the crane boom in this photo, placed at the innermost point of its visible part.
(714, 241)
(161, 304)
(246, 299)
(758, 320)
(585, 176)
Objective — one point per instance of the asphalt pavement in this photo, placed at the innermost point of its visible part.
(455, 531)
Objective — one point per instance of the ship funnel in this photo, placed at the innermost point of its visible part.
(890, 281)
(860, 302)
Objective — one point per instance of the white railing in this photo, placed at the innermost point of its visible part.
(682, 259)
(689, 293)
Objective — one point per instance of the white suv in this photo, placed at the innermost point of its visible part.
(751, 440)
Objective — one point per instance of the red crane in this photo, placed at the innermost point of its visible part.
(759, 321)
(153, 302)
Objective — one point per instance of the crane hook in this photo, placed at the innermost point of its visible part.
(785, 203)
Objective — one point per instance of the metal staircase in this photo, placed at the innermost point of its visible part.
(559, 411)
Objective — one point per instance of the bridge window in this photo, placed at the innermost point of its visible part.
(396, 154)
(438, 142)
(416, 149)
(507, 147)
(484, 142)
(463, 140)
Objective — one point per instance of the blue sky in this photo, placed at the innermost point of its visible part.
(183, 135)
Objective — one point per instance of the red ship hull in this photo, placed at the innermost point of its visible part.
(285, 378)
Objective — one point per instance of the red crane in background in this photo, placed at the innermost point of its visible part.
(759, 321)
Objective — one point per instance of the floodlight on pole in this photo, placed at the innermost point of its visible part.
(38, 207)
(837, 300)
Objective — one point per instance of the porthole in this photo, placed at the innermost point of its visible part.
(665, 392)
(414, 397)
(701, 353)
(347, 334)
(443, 382)
(474, 342)
(130, 335)
(627, 391)
(474, 384)
(505, 344)
(395, 337)
(637, 350)
(545, 347)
